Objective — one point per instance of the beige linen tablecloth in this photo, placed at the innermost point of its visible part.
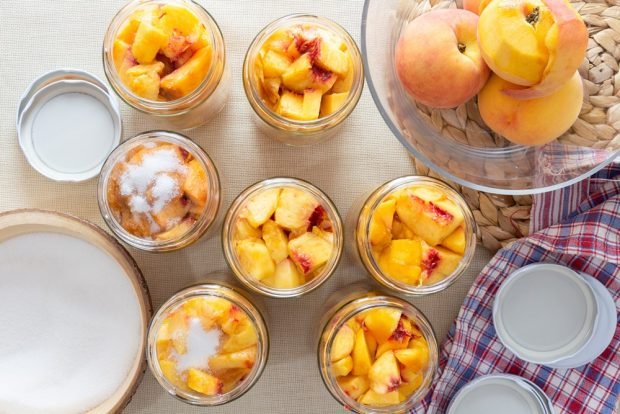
(37, 36)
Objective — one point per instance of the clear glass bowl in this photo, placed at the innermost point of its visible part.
(492, 164)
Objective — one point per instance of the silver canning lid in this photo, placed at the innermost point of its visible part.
(67, 125)
(544, 313)
(500, 393)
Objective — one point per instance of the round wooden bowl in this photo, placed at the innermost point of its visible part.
(17, 222)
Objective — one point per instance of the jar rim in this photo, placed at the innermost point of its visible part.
(203, 223)
(185, 103)
(237, 298)
(341, 316)
(367, 256)
(233, 215)
(274, 119)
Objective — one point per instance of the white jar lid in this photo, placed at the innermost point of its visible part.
(500, 393)
(67, 127)
(544, 313)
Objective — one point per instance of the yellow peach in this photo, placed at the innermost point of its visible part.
(432, 49)
(530, 122)
(532, 42)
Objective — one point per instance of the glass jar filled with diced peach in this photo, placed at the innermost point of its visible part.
(377, 354)
(282, 237)
(159, 191)
(167, 58)
(415, 235)
(303, 76)
(208, 344)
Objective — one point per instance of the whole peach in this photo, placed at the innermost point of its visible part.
(438, 60)
(534, 121)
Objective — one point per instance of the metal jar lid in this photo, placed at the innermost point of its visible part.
(500, 393)
(545, 313)
(67, 125)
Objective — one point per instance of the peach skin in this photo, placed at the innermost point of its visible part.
(534, 121)
(432, 49)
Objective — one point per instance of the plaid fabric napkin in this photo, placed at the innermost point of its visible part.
(582, 231)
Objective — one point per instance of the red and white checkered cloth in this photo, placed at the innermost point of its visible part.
(581, 229)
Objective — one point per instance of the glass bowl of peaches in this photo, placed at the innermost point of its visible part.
(377, 354)
(208, 344)
(508, 97)
(282, 237)
(303, 76)
(167, 58)
(414, 235)
(159, 191)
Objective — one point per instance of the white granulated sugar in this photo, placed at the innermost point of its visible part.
(164, 189)
(71, 325)
(139, 204)
(152, 174)
(201, 345)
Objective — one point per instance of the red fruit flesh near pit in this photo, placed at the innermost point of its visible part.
(430, 262)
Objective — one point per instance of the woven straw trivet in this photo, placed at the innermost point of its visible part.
(502, 219)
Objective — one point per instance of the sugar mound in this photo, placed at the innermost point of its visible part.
(70, 323)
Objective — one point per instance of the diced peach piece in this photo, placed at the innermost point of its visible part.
(372, 344)
(164, 348)
(261, 207)
(240, 359)
(127, 32)
(326, 235)
(380, 229)
(311, 104)
(203, 383)
(172, 212)
(354, 386)
(169, 369)
(302, 75)
(186, 78)
(406, 389)
(148, 40)
(276, 240)
(178, 230)
(121, 53)
(345, 83)
(144, 80)
(245, 337)
(438, 263)
(243, 230)
(354, 324)
(231, 378)
(456, 241)
(181, 19)
(271, 87)
(309, 252)
(280, 40)
(382, 322)
(401, 260)
(415, 358)
(234, 321)
(433, 221)
(375, 399)
(384, 374)
(291, 105)
(362, 360)
(255, 259)
(295, 207)
(195, 184)
(275, 64)
(331, 58)
(343, 343)
(342, 367)
(286, 276)
(333, 102)
(400, 231)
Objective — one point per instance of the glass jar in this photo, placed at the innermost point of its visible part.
(289, 131)
(361, 248)
(345, 305)
(242, 302)
(234, 214)
(202, 222)
(197, 107)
